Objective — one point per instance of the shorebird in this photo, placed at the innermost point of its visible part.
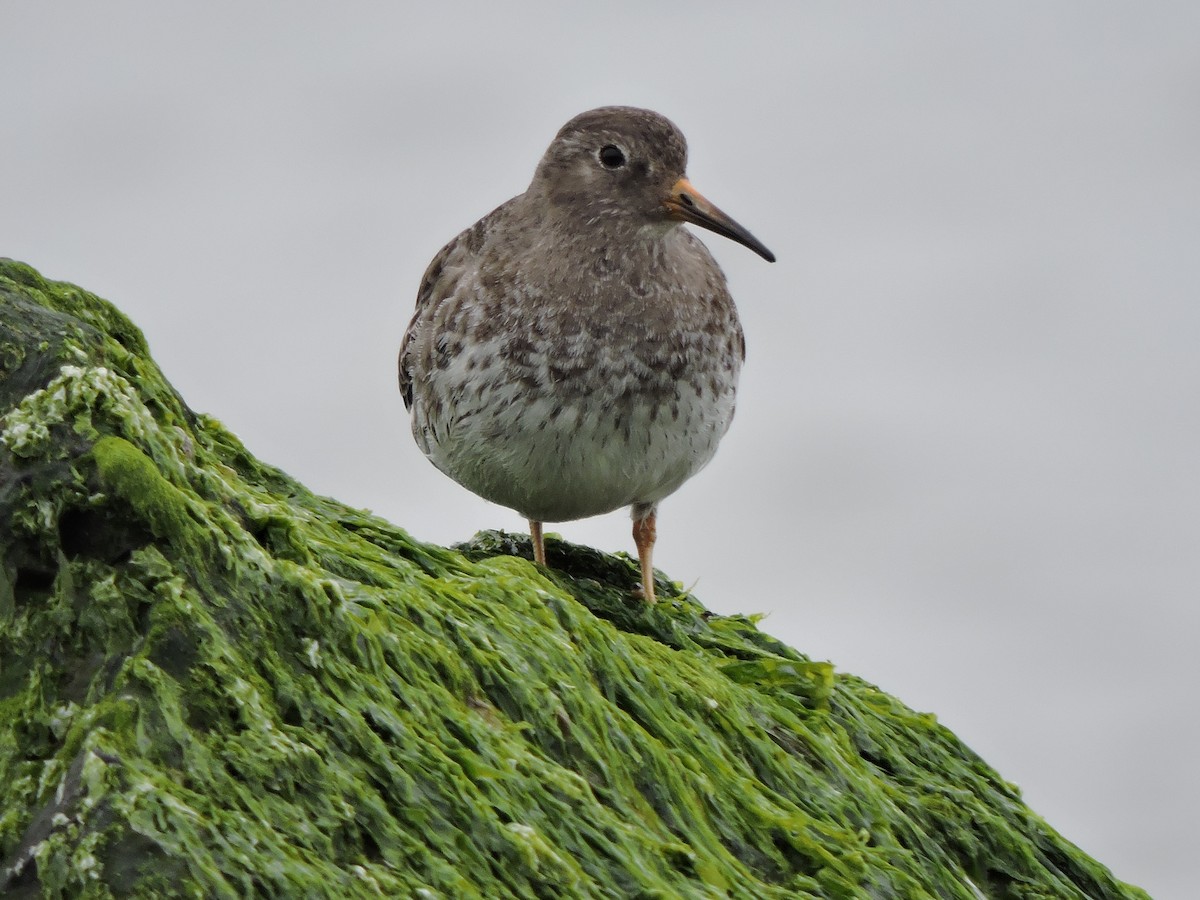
(575, 351)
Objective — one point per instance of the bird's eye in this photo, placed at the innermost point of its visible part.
(611, 157)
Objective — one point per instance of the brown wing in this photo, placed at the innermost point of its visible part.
(429, 283)
(437, 284)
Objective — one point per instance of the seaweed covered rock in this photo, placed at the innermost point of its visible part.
(214, 683)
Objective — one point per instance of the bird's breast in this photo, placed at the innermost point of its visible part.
(564, 419)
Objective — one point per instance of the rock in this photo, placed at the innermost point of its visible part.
(214, 683)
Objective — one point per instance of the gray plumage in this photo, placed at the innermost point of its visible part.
(575, 351)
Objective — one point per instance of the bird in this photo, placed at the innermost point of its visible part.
(576, 351)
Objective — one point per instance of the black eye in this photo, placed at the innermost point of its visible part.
(611, 157)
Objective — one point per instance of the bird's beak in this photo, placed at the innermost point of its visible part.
(687, 204)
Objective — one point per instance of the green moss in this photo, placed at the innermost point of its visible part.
(130, 474)
(214, 683)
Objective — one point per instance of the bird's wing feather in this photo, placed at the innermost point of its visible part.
(438, 284)
(408, 344)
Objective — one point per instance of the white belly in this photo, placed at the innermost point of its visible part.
(558, 454)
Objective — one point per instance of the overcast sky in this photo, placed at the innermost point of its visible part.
(964, 464)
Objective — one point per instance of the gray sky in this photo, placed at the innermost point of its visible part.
(964, 460)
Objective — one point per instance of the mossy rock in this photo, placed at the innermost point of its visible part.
(215, 684)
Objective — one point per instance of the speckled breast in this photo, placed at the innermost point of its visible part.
(568, 417)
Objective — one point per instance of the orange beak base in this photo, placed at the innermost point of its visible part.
(686, 204)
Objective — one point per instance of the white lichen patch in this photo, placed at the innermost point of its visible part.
(312, 652)
(526, 831)
(51, 772)
(97, 777)
(76, 396)
(61, 718)
(36, 517)
(20, 435)
(364, 876)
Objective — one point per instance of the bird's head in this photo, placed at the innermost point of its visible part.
(619, 162)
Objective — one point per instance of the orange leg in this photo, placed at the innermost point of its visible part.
(644, 535)
(539, 546)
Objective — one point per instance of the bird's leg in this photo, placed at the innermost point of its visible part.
(539, 546)
(644, 535)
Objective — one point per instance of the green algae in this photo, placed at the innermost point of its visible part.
(130, 474)
(214, 683)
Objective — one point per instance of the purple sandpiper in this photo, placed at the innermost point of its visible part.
(575, 351)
